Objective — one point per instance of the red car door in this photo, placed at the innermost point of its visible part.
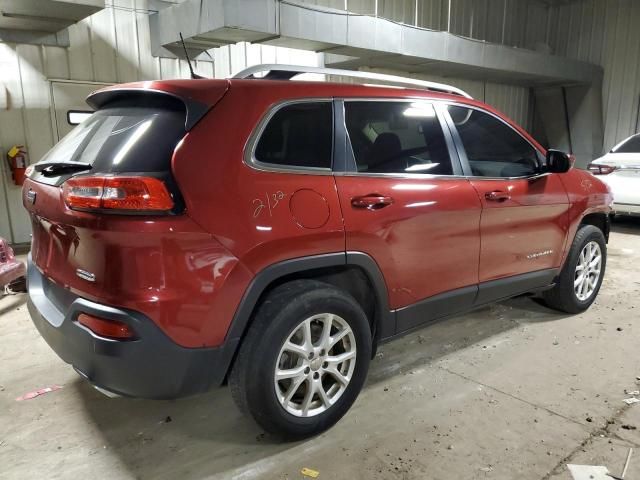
(524, 212)
(406, 204)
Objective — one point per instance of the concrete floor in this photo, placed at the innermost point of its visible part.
(511, 391)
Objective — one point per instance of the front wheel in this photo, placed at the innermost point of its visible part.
(581, 277)
(304, 360)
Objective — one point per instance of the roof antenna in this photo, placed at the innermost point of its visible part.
(194, 75)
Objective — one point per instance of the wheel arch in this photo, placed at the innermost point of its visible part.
(599, 220)
(595, 217)
(355, 272)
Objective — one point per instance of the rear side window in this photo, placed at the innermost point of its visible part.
(123, 139)
(397, 137)
(631, 145)
(299, 135)
(493, 148)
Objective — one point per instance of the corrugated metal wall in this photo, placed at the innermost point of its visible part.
(525, 26)
(606, 33)
(520, 23)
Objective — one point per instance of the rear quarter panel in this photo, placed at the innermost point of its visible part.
(255, 214)
(167, 267)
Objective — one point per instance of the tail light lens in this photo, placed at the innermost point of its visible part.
(601, 169)
(107, 328)
(128, 194)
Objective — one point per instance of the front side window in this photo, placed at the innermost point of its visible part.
(298, 136)
(397, 137)
(631, 145)
(493, 148)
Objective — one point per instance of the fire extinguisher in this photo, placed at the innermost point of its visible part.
(18, 160)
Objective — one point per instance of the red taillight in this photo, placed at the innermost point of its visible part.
(106, 328)
(601, 169)
(144, 194)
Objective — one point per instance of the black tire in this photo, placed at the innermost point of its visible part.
(18, 286)
(278, 315)
(563, 296)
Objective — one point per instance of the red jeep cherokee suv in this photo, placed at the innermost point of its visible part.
(270, 233)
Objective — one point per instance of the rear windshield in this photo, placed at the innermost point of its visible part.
(632, 145)
(122, 139)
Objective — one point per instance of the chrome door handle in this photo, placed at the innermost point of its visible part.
(497, 196)
(371, 202)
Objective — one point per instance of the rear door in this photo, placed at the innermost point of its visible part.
(289, 189)
(406, 204)
(524, 214)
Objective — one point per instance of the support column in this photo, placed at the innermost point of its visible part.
(572, 119)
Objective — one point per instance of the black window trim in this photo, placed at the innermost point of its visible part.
(343, 161)
(350, 166)
(462, 153)
(250, 150)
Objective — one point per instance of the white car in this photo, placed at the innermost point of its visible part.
(620, 169)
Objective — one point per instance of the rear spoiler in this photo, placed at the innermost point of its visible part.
(195, 110)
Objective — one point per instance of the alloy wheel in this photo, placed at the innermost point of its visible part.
(315, 365)
(588, 271)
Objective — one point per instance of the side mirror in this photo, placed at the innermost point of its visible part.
(558, 162)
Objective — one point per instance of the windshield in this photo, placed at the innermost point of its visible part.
(121, 139)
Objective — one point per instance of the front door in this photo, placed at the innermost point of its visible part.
(524, 214)
(406, 204)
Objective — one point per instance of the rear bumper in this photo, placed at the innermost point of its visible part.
(152, 366)
(626, 209)
(625, 190)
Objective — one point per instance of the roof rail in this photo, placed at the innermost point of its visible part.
(287, 72)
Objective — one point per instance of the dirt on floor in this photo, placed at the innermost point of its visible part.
(510, 391)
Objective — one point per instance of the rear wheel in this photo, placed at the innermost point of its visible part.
(582, 274)
(18, 286)
(304, 360)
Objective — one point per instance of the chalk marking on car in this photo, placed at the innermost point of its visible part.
(259, 204)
